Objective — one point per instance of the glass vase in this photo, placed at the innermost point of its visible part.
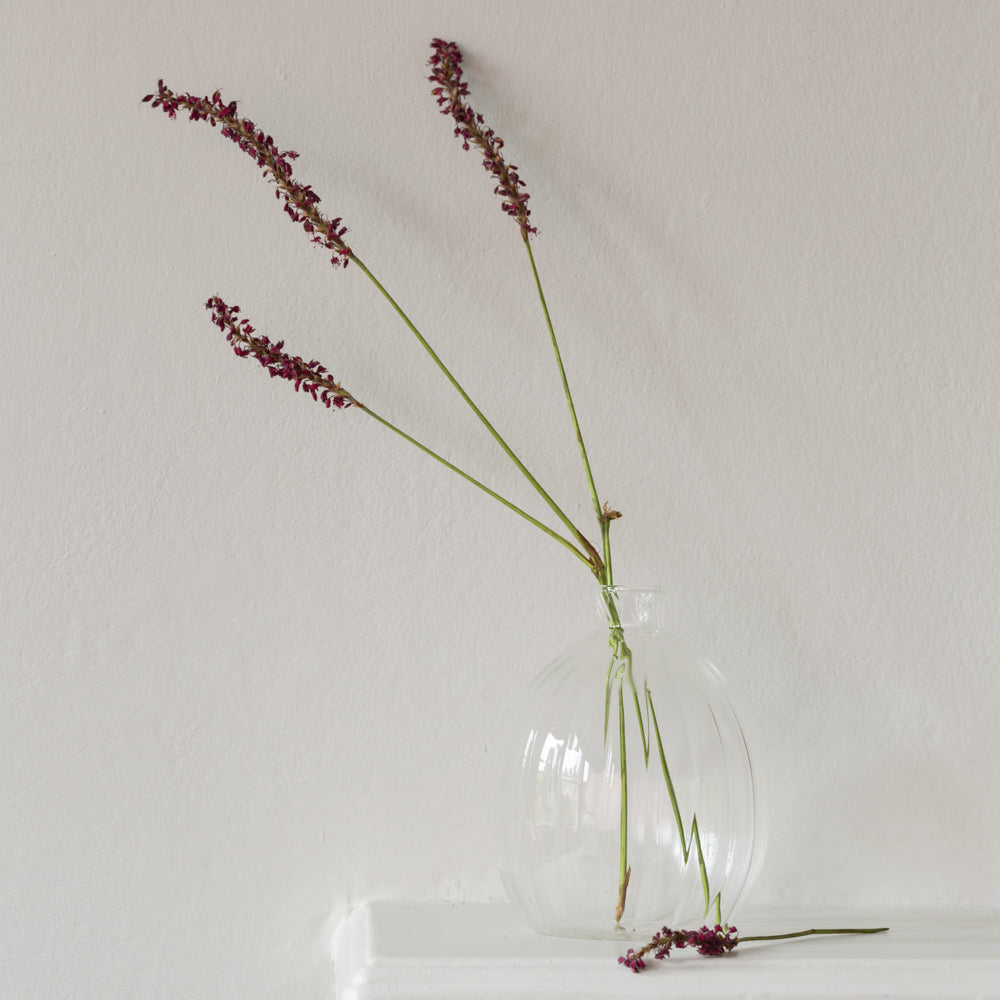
(628, 797)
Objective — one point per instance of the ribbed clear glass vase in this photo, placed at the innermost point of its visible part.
(585, 853)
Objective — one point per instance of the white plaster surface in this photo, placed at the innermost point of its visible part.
(253, 653)
(433, 951)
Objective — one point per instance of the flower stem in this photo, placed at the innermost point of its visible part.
(606, 547)
(719, 940)
(812, 930)
(623, 869)
(475, 482)
(565, 384)
(316, 381)
(621, 658)
(593, 558)
(695, 838)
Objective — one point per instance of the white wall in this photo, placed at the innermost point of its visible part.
(252, 652)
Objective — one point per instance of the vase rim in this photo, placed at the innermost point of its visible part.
(615, 586)
(634, 607)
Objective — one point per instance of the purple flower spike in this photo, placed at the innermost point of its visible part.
(451, 90)
(715, 941)
(632, 961)
(308, 376)
(300, 199)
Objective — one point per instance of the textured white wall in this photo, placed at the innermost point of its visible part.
(252, 652)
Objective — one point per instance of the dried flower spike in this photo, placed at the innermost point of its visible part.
(717, 940)
(451, 90)
(720, 940)
(309, 376)
(300, 199)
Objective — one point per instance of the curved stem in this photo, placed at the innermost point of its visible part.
(695, 838)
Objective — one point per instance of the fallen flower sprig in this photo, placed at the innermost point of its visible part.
(718, 940)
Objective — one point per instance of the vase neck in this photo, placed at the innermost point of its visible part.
(639, 608)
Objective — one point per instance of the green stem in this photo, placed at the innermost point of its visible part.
(565, 383)
(622, 655)
(623, 869)
(608, 685)
(606, 546)
(638, 710)
(475, 482)
(695, 838)
(812, 930)
(604, 519)
(593, 557)
(619, 650)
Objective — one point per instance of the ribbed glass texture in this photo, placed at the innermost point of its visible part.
(561, 785)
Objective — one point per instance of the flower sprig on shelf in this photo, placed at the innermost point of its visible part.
(718, 940)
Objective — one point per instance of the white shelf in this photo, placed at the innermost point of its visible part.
(445, 951)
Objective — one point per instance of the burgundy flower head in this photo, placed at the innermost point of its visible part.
(309, 376)
(451, 90)
(716, 940)
(300, 199)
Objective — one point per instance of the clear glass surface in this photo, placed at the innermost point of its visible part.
(694, 830)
